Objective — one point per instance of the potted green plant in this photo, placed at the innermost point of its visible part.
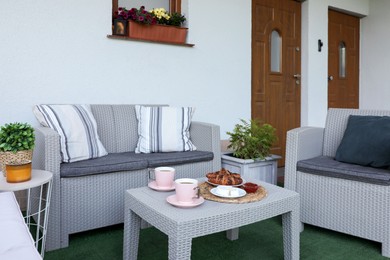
(251, 142)
(17, 142)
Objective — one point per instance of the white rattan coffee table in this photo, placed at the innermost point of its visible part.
(183, 224)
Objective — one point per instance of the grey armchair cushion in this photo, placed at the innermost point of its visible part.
(366, 141)
(327, 166)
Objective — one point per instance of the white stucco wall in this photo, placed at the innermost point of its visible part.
(58, 52)
(314, 63)
(375, 57)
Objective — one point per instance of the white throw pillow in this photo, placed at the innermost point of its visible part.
(76, 126)
(164, 129)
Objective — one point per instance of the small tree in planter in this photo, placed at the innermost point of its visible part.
(17, 142)
(251, 140)
(251, 143)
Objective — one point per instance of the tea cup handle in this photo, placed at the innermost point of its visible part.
(149, 172)
(197, 193)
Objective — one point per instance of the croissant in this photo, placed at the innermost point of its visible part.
(224, 177)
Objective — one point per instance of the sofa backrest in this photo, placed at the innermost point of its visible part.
(117, 127)
(336, 123)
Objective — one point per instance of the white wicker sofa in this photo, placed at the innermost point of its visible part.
(348, 198)
(82, 201)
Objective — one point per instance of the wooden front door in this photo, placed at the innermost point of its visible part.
(276, 66)
(343, 60)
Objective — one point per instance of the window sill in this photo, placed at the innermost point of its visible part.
(118, 37)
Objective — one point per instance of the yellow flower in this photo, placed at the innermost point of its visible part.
(160, 13)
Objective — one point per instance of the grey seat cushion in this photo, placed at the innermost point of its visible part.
(130, 161)
(112, 162)
(176, 158)
(327, 166)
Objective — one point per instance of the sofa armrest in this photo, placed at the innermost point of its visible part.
(47, 150)
(47, 156)
(302, 143)
(206, 137)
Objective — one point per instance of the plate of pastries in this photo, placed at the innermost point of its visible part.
(224, 177)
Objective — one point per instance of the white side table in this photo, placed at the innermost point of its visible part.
(38, 202)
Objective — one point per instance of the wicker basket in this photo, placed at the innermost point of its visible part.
(20, 156)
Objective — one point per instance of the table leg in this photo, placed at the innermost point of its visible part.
(291, 228)
(179, 248)
(232, 234)
(46, 216)
(132, 226)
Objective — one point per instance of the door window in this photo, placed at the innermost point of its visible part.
(342, 59)
(276, 51)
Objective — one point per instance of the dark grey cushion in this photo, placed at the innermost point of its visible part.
(130, 161)
(366, 141)
(327, 166)
(176, 158)
(112, 162)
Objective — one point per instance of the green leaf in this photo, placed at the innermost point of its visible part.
(252, 140)
(16, 137)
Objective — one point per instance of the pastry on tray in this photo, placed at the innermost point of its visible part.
(224, 177)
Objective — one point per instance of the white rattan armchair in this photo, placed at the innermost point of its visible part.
(353, 207)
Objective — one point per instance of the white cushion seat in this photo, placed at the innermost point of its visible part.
(16, 241)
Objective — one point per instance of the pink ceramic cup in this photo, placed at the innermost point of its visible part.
(164, 176)
(186, 190)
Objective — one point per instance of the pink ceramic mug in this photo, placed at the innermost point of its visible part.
(186, 190)
(164, 176)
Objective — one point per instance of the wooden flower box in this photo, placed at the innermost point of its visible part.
(157, 32)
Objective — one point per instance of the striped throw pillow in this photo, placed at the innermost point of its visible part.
(164, 129)
(76, 126)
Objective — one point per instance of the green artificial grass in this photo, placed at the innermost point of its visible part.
(262, 240)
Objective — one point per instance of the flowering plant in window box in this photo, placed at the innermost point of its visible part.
(138, 15)
(154, 16)
(163, 17)
(154, 25)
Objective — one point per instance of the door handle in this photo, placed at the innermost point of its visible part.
(297, 77)
(330, 78)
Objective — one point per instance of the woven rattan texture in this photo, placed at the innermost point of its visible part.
(83, 203)
(348, 206)
(117, 127)
(204, 136)
(205, 188)
(47, 156)
(181, 225)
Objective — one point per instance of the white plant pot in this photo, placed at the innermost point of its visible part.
(263, 170)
